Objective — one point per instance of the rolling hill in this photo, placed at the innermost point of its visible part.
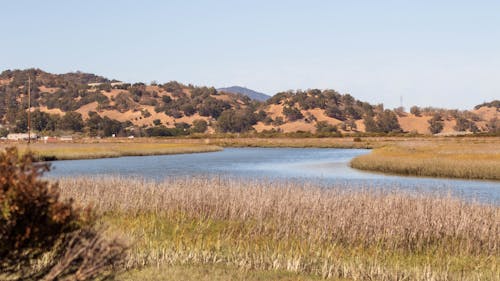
(97, 106)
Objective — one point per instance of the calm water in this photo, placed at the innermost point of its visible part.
(326, 167)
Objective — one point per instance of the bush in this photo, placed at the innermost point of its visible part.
(36, 227)
(199, 126)
(325, 127)
(415, 110)
(436, 124)
(236, 121)
(292, 113)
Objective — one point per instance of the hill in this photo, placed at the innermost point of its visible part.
(245, 91)
(97, 106)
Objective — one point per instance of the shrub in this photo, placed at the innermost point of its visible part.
(415, 110)
(199, 126)
(325, 127)
(37, 228)
(292, 113)
(236, 121)
(436, 124)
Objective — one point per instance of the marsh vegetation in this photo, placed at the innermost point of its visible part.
(469, 159)
(68, 151)
(298, 228)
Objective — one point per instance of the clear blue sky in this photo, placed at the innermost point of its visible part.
(439, 53)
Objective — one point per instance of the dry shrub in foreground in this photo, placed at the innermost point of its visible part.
(43, 237)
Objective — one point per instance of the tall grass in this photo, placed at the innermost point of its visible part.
(333, 233)
(67, 151)
(468, 160)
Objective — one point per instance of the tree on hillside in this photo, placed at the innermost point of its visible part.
(387, 121)
(292, 113)
(415, 110)
(71, 121)
(199, 126)
(384, 122)
(436, 124)
(325, 127)
(236, 121)
(370, 124)
(333, 111)
(464, 124)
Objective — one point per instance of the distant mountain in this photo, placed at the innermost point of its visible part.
(245, 91)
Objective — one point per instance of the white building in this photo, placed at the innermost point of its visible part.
(21, 136)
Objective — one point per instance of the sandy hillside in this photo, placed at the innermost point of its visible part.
(84, 110)
(275, 110)
(487, 113)
(411, 123)
(299, 125)
(44, 89)
(51, 111)
(321, 116)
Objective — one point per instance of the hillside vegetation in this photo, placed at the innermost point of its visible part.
(96, 106)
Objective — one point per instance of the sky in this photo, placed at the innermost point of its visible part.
(429, 53)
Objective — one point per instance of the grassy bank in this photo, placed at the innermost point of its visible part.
(299, 142)
(273, 228)
(67, 151)
(469, 159)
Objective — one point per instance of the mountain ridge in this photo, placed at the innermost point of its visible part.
(245, 91)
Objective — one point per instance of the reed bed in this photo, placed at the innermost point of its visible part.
(71, 151)
(284, 226)
(469, 160)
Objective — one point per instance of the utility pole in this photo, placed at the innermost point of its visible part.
(29, 109)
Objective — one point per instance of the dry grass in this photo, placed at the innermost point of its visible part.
(210, 273)
(300, 142)
(330, 233)
(67, 151)
(468, 158)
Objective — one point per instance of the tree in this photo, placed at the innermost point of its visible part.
(464, 124)
(292, 113)
(333, 111)
(40, 121)
(188, 109)
(324, 127)
(387, 121)
(199, 126)
(236, 121)
(94, 124)
(72, 121)
(370, 124)
(415, 110)
(21, 125)
(436, 124)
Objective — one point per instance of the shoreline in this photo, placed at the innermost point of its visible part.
(84, 151)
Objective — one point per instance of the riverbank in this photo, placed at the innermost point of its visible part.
(454, 158)
(231, 226)
(74, 151)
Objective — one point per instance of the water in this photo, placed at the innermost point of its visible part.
(325, 167)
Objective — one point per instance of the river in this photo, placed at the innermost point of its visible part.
(321, 166)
